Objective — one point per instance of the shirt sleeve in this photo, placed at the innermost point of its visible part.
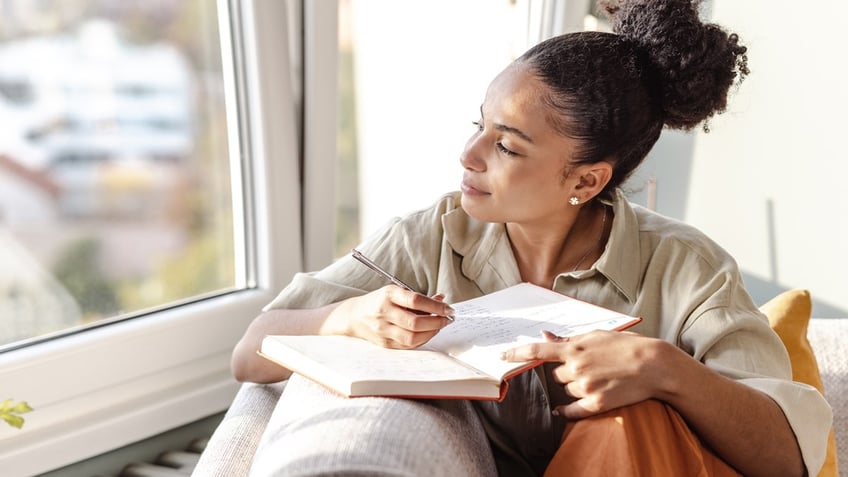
(344, 278)
(407, 247)
(808, 413)
(739, 344)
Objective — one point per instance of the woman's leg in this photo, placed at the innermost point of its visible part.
(315, 432)
(645, 439)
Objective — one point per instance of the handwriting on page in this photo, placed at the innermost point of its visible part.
(503, 327)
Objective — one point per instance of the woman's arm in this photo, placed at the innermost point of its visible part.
(606, 370)
(246, 365)
(391, 317)
(742, 425)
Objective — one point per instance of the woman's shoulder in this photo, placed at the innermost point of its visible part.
(424, 223)
(446, 221)
(447, 203)
(669, 235)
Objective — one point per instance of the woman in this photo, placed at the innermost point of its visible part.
(698, 387)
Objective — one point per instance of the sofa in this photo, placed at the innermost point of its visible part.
(827, 339)
(231, 447)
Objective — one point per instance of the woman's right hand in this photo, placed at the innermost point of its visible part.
(390, 317)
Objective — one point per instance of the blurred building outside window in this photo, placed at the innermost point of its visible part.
(115, 190)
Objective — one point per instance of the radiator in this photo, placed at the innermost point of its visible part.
(172, 463)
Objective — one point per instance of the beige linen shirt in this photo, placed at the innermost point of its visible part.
(686, 288)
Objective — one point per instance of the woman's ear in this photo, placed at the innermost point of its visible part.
(592, 180)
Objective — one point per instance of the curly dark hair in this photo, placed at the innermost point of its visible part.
(614, 92)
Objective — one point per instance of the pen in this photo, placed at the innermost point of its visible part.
(380, 271)
(373, 266)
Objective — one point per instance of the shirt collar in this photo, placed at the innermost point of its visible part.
(487, 257)
(620, 262)
(485, 247)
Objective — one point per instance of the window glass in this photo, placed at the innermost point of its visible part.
(115, 193)
(347, 188)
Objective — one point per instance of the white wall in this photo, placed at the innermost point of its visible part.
(768, 181)
(422, 72)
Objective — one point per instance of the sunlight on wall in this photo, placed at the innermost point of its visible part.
(768, 181)
(418, 95)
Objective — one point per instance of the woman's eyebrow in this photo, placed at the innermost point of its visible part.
(509, 129)
(516, 131)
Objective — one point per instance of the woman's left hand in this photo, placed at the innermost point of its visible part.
(603, 370)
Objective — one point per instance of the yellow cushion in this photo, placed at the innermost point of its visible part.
(789, 315)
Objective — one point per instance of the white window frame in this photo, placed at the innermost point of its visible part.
(103, 388)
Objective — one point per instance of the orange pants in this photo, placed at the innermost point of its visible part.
(645, 439)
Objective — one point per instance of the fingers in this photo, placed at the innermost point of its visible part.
(578, 409)
(551, 351)
(418, 303)
(416, 312)
(411, 321)
(395, 337)
(407, 319)
(412, 332)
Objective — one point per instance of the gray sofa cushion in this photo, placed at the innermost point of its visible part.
(314, 432)
(230, 450)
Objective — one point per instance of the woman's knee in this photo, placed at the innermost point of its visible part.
(646, 438)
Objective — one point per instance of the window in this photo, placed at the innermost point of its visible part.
(116, 187)
(219, 175)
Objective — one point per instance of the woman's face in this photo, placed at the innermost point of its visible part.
(515, 160)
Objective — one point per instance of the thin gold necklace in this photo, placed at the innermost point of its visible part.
(600, 237)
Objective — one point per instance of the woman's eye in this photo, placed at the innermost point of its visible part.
(504, 150)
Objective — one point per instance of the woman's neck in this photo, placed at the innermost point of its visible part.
(545, 251)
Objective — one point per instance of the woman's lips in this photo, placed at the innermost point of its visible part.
(468, 189)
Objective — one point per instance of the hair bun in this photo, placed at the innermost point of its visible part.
(696, 63)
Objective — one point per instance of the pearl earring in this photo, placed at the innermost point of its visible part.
(574, 200)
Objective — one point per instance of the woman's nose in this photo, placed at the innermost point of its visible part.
(471, 158)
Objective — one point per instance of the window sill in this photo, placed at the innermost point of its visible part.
(99, 390)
